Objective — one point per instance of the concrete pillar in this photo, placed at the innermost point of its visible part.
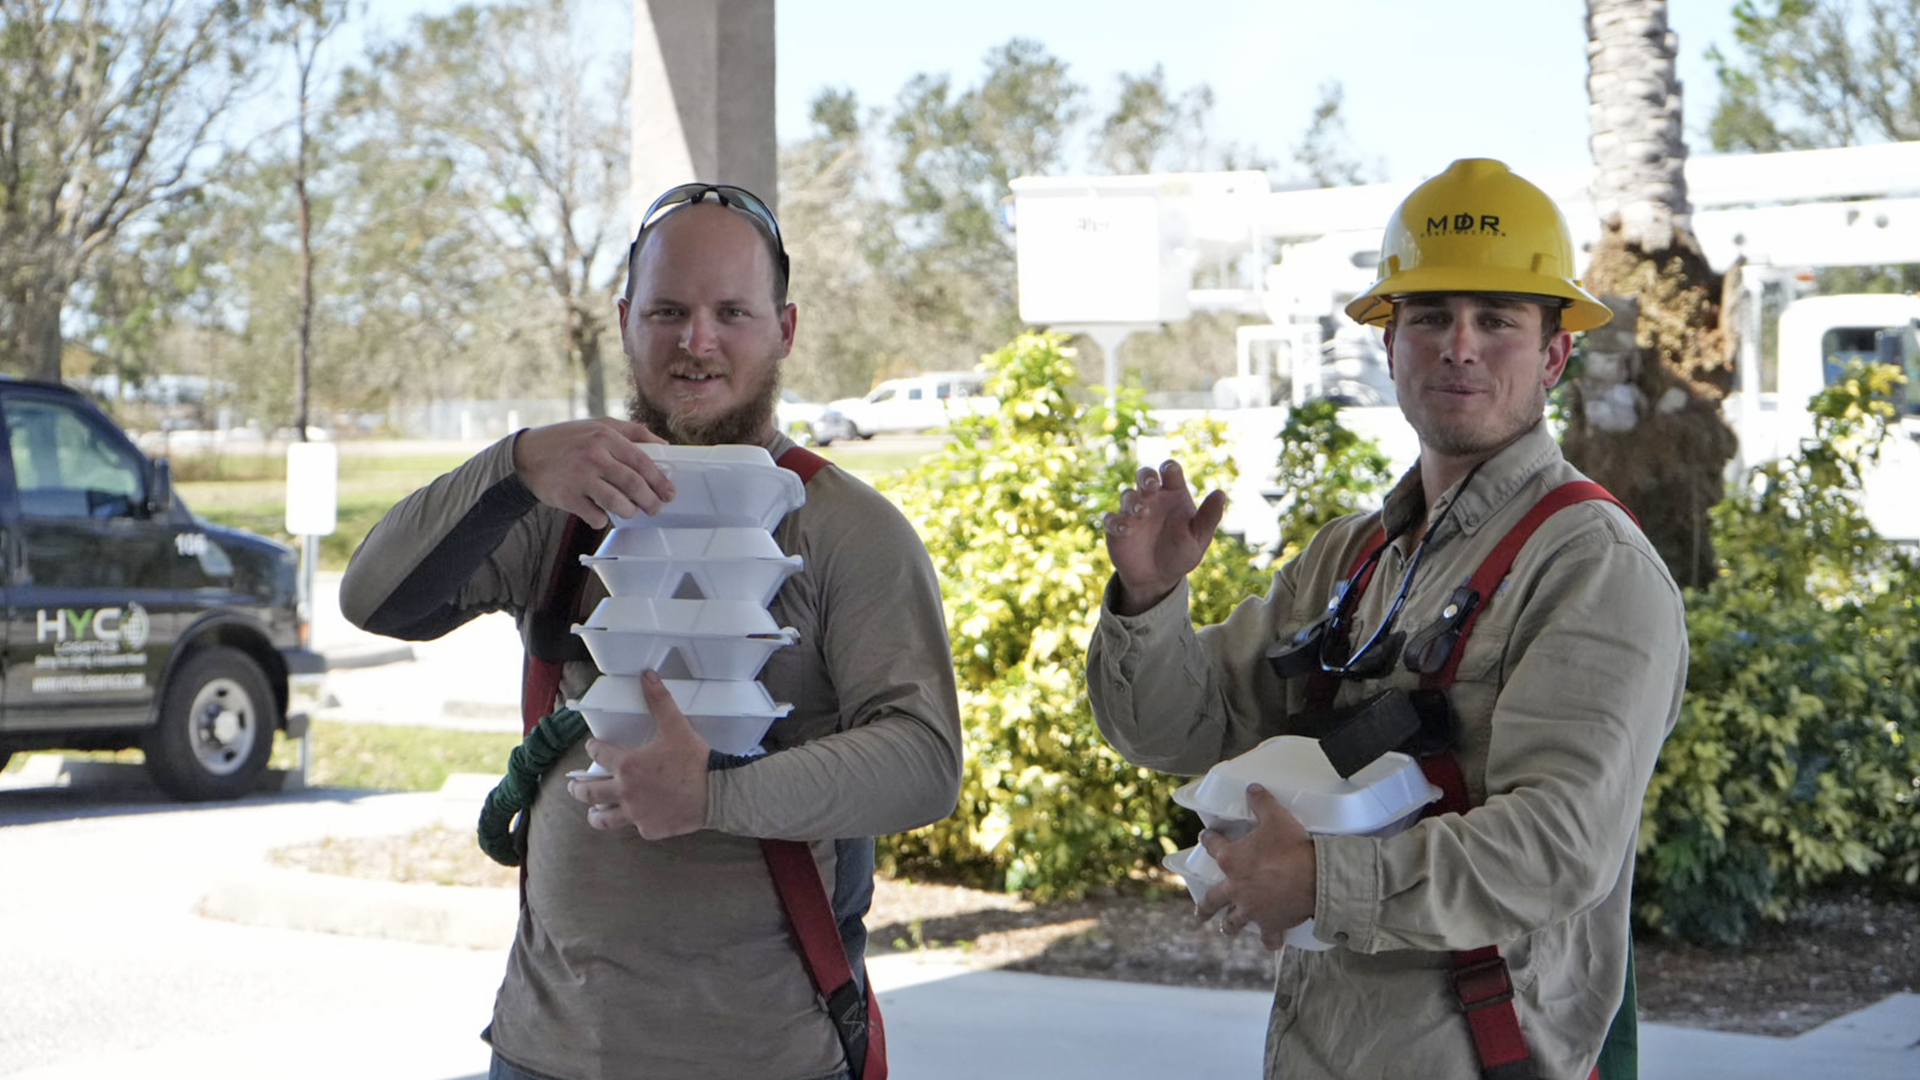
(702, 96)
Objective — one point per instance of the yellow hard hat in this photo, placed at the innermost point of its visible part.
(1478, 228)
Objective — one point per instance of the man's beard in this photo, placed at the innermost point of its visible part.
(1469, 441)
(746, 422)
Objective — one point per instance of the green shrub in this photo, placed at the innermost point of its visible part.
(1794, 762)
(1011, 511)
(1325, 471)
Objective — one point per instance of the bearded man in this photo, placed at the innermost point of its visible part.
(652, 940)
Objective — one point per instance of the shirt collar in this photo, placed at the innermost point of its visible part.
(1486, 490)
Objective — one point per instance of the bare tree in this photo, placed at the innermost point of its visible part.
(1646, 416)
(1152, 127)
(309, 22)
(106, 109)
(530, 117)
(1322, 150)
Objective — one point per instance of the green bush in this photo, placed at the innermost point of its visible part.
(1325, 471)
(1794, 762)
(1011, 511)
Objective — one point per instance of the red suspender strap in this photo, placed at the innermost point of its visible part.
(1360, 557)
(1480, 978)
(856, 1016)
(1500, 560)
(539, 684)
(1485, 993)
(802, 462)
(540, 679)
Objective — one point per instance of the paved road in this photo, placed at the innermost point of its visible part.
(141, 938)
(115, 967)
(109, 971)
(123, 976)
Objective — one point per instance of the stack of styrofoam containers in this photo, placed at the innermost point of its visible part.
(691, 585)
(1380, 800)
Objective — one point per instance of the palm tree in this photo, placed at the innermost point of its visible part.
(1645, 408)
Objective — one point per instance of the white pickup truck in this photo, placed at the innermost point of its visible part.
(916, 403)
(1818, 335)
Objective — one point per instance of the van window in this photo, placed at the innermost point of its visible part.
(1896, 346)
(65, 467)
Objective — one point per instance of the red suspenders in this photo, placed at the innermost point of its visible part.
(1480, 979)
(796, 878)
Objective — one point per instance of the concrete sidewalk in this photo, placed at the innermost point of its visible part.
(468, 679)
(945, 1021)
(423, 961)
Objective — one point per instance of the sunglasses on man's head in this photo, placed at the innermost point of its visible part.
(728, 195)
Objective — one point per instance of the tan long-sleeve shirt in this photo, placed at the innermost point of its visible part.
(673, 958)
(1569, 683)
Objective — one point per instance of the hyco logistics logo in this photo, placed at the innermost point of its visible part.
(1464, 225)
(91, 649)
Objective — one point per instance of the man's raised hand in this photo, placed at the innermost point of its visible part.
(1158, 535)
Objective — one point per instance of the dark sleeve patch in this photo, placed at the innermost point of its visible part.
(421, 606)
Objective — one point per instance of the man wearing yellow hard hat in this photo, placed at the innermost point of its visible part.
(1501, 621)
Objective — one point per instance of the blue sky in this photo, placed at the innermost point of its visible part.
(1426, 82)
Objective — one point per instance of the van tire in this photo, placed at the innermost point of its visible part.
(216, 727)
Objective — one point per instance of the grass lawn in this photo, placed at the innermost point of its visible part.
(380, 757)
(387, 757)
(249, 491)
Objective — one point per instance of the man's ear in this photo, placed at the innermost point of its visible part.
(621, 308)
(789, 323)
(1559, 350)
(1386, 333)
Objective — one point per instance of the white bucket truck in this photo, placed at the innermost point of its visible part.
(1109, 256)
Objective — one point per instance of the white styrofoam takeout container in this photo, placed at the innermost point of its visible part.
(716, 639)
(716, 486)
(732, 716)
(741, 563)
(725, 542)
(1299, 775)
(1382, 799)
(1197, 868)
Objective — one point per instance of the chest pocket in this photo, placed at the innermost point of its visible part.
(1476, 682)
(1483, 652)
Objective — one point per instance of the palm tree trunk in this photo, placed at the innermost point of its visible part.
(1645, 418)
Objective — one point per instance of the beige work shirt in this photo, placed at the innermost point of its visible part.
(1570, 681)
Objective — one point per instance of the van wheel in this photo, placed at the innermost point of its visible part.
(216, 728)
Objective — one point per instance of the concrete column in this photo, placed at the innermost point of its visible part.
(703, 96)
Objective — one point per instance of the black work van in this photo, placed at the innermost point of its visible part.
(129, 621)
